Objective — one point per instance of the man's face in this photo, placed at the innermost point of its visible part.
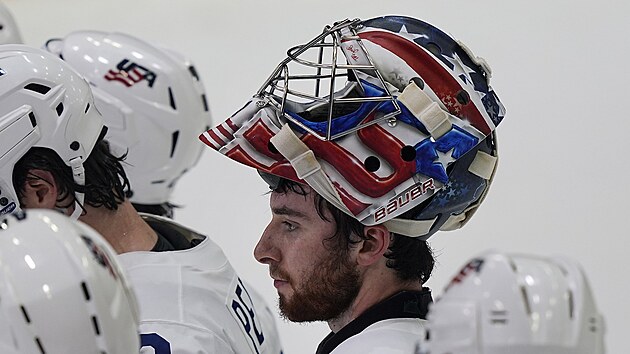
(316, 281)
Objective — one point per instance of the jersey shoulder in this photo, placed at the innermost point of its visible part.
(198, 288)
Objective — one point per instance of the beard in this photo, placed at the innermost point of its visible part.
(325, 293)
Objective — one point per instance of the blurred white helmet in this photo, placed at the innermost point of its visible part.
(43, 103)
(516, 304)
(9, 31)
(61, 289)
(153, 102)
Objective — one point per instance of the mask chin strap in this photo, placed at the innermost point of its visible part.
(306, 166)
(78, 173)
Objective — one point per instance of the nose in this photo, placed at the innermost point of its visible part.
(265, 251)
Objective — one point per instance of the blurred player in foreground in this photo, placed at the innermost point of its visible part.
(518, 304)
(62, 289)
(393, 141)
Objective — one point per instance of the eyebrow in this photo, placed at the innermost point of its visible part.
(288, 212)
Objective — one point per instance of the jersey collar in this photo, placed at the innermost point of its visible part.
(405, 304)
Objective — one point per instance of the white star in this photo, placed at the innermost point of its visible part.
(413, 36)
(460, 68)
(444, 158)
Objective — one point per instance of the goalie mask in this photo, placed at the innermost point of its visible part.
(379, 117)
(517, 304)
(62, 289)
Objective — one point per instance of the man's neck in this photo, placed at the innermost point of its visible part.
(123, 228)
(374, 289)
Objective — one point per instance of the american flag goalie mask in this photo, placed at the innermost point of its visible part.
(391, 120)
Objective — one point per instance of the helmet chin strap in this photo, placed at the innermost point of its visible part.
(78, 173)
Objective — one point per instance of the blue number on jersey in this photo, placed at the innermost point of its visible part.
(155, 341)
(244, 309)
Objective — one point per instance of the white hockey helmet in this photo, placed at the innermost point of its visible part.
(9, 31)
(43, 103)
(379, 117)
(61, 288)
(517, 304)
(152, 100)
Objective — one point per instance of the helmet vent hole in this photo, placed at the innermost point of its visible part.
(33, 120)
(571, 304)
(171, 99)
(418, 81)
(463, 97)
(272, 148)
(372, 163)
(2, 72)
(59, 109)
(87, 108)
(1, 27)
(25, 314)
(75, 145)
(40, 345)
(86, 292)
(434, 49)
(593, 322)
(528, 308)
(39, 88)
(498, 317)
(512, 265)
(204, 102)
(174, 139)
(563, 270)
(193, 72)
(97, 329)
(408, 153)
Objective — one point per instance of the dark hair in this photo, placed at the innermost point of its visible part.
(411, 257)
(106, 183)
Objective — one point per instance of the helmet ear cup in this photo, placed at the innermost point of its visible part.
(44, 103)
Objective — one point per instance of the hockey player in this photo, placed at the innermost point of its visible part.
(62, 289)
(148, 96)
(9, 31)
(54, 156)
(520, 304)
(362, 175)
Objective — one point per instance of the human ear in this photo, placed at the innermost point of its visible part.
(39, 191)
(375, 244)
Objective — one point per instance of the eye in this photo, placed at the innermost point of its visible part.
(289, 226)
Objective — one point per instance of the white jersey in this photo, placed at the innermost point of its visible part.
(192, 300)
(393, 326)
